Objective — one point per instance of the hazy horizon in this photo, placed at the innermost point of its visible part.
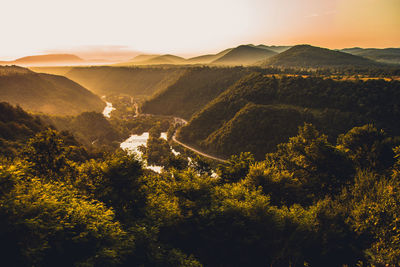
(189, 28)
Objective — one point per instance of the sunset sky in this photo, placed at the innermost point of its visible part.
(191, 27)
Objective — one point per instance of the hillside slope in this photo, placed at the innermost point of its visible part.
(259, 112)
(307, 56)
(45, 93)
(275, 48)
(244, 55)
(386, 55)
(207, 59)
(192, 91)
(133, 81)
(154, 60)
(16, 126)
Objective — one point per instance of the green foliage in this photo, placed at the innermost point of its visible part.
(201, 165)
(47, 223)
(236, 167)
(155, 131)
(16, 126)
(179, 162)
(241, 134)
(47, 153)
(90, 128)
(157, 151)
(139, 125)
(374, 213)
(115, 181)
(266, 110)
(367, 147)
(59, 207)
(306, 168)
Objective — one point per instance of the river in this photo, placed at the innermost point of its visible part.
(107, 110)
(132, 144)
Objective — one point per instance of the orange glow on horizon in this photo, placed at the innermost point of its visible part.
(188, 28)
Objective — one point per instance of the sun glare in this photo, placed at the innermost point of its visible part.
(192, 27)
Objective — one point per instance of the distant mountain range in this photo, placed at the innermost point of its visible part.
(244, 55)
(56, 60)
(307, 56)
(46, 60)
(241, 55)
(302, 56)
(385, 55)
(207, 59)
(298, 56)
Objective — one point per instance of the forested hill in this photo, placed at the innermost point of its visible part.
(45, 93)
(244, 55)
(16, 126)
(192, 91)
(63, 206)
(385, 55)
(259, 112)
(307, 56)
(134, 81)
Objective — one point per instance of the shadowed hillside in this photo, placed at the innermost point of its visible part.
(192, 91)
(45, 93)
(244, 55)
(134, 81)
(91, 129)
(143, 57)
(154, 60)
(164, 59)
(52, 70)
(207, 59)
(259, 112)
(16, 126)
(307, 56)
(275, 48)
(386, 55)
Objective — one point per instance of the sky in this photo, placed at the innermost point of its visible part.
(191, 27)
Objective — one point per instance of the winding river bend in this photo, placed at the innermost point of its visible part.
(132, 144)
(108, 109)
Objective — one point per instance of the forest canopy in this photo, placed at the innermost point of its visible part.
(339, 200)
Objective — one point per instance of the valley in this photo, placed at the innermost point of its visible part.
(163, 160)
(245, 133)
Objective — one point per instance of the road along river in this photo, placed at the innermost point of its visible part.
(132, 144)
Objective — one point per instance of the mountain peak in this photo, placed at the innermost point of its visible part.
(308, 56)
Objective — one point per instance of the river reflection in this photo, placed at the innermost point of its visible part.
(132, 144)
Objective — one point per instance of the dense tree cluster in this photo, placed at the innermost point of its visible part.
(91, 129)
(311, 202)
(261, 111)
